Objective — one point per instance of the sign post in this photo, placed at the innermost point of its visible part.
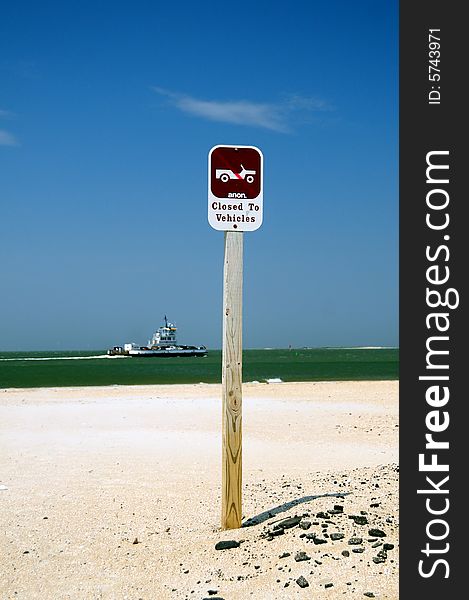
(232, 366)
(235, 205)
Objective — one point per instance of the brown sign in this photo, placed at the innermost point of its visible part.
(235, 172)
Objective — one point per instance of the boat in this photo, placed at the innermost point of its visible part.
(163, 343)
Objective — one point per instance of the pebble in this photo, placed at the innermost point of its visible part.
(288, 523)
(276, 532)
(305, 524)
(369, 594)
(376, 533)
(317, 540)
(299, 556)
(345, 553)
(328, 585)
(359, 519)
(355, 541)
(358, 550)
(285, 555)
(337, 536)
(378, 559)
(302, 582)
(388, 546)
(226, 544)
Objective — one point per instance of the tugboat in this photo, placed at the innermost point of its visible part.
(162, 343)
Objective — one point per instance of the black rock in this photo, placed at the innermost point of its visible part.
(328, 585)
(338, 508)
(276, 532)
(310, 536)
(322, 515)
(285, 555)
(299, 556)
(358, 550)
(302, 582)
(374, 505)
(304, 524)
(378, 559)
(288, 523)
(388, 546)
(317, 540)
(337, 536)
(359, 519)
(355, 541)
(376, 544)
(345, 553)
(376, 533)
(212, 592)
(369, 594)
(226, 544)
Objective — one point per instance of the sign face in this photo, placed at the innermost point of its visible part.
(235, 194)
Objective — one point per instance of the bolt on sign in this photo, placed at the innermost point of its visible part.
(235, 188)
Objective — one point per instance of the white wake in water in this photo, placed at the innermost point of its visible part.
(63, 357)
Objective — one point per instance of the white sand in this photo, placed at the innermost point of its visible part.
(107, 465)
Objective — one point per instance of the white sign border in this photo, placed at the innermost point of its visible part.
(227, 226)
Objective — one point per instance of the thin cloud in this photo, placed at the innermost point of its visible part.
(271, 116)
(7, 139)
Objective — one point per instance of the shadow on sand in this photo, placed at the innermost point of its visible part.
(268, 514)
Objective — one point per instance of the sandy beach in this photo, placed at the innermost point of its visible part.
(114, 492)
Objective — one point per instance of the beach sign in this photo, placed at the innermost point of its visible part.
(234, 206)
(235, 188)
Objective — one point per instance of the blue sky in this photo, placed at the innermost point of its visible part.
(107, 113)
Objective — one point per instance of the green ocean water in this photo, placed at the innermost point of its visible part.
(75, 368)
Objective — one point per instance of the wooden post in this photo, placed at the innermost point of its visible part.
(232, 381)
